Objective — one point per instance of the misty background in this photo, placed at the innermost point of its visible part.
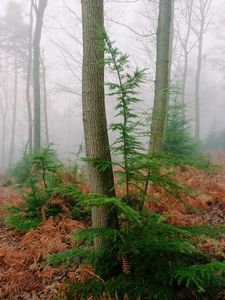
(132, 25)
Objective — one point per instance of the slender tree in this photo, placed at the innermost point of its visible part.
(28, 81)
(4, 110)
(94, 113)
(45, 102)
(39, 11)
(171, 40)
(15, 104)
(13, 44)
(186, 12)
(162, 76)
(202, 18)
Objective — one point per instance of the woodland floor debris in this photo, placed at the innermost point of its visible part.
(23, 274)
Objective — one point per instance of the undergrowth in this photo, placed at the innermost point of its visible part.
(145, 257)
(179, 145)
(152, 259)
(44, 193)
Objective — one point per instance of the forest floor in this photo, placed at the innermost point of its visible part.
(23, 273)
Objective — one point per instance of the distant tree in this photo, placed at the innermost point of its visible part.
(4, 99)
(162, 76)
(203, 8)
(184, 24)
(45, 100)
(28, 81)
(94, 114)
(15, 100)
(14, 43)
(39, 8)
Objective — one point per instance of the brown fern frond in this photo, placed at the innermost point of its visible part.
(126, 265)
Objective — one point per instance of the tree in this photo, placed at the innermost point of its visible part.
(43, 67)
(4, 111)
(94, 114)
(28, 81)
(39, 11)
(15, 103)
(203, 7)
(186, 12)
(162, 76)
(13, 43)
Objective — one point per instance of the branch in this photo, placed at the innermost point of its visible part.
(128, 27)
(72, 11)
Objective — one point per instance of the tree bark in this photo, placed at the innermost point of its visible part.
(39, 10)
(162, 76)
(94, 112)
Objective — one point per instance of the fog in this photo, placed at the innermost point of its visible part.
(132, 25)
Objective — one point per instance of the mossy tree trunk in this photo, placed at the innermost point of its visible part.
(101, 182)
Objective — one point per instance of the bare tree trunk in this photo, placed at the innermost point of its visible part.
(39, 10)
(184, 44)
(162, 76)
(4, 111)
(171, 40)
(94, 113)
(3, 141)
(45, 100)
(204, 8)
(197, 86)
(28, 82)
(12, 143)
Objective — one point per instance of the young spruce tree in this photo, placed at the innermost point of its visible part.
(127, 145)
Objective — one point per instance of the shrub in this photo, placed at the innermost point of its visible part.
(145, 257)
(43, 192)
(152, 259)
(179, 145)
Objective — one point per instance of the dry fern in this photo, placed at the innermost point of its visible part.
(116, 297)
(126, 265)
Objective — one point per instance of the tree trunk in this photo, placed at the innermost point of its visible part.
(4, 115)
(28, 82)
(162, 76)
(171, 40)
(94, 113)
(184, 79)
(12, 143)
(197, 83)
(184, 45)
(204, 8)
(40, 9)
(45, 100)
(4, 111)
